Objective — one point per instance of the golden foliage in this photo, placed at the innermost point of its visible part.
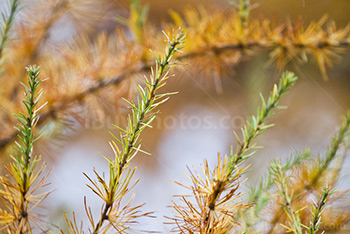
(90, 69)
(215, 197)
(307, 181)
(87, 63)
(228, 41)
(127, 146)
(12, 218)
(18, 191)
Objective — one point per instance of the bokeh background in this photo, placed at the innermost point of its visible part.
(198, 122)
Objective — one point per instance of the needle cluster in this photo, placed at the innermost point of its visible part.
(19, 190)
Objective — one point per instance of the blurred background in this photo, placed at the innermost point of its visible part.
(197, 123)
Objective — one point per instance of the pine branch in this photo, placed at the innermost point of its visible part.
(251, 130)
(333, 149)
(278, 173)
(129, 144)
(25, 129)
(25, 169)
(284, 41)
(281, 181)
(265, 45)
(317, 210)
(219, 187)
(323, 164)
(260, 195)
(256, 125)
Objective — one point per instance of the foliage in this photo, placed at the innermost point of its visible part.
(19, 189)
(298, 195)
(114, 190)
(215, 193)
(108, 66)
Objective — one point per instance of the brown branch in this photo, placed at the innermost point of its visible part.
(63, 105)
(262, 45)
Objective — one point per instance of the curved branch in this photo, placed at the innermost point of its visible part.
(63, 105)
(261, 45)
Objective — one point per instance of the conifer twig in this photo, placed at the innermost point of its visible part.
(260, 195)
(25, 170)
(267, 45)
(256, 125)
(215, 194)
(322, 165)
(317, 210)
(333, 149)
(281, 180)
(28, 138)
(129, 144)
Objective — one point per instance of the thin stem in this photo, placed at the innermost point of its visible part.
(257, 124)
(260, 196)
(161, 73)
(317, 211)
(25, 128)
(333, 149)
(27, 156)
(150, 98)
(217, 50)
(281, 181)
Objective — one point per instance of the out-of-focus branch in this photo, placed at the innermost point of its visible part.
(262, 45)
(63, 105)
(272, 41)
(7, 24)
(55, 14)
